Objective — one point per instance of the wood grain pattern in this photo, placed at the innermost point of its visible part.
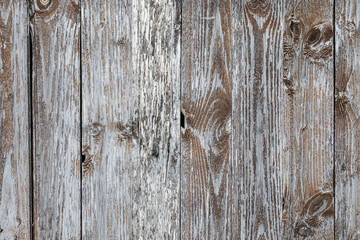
(347, 123)
(56, 119)
(308, 197)
(130, 109)
(14, 127)
(180, 119)
(206, 106)
(283, 120)
(257, 108)
(110, 119)
(156, 66)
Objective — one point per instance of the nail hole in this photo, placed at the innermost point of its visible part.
(182, 120)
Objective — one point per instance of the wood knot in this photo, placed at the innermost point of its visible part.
(43, 3)
(318, 42)
(290, 86)
(303, 230)
(86, 161)
(125, 132)
(341, 100)
(318, 207)
(95, 129)
(350, 27)
(295, 28)
(259, 8)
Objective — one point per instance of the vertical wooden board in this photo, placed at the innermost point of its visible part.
(14, 128)
(308, 120)
(283, 120)
(109, 119)
(56, 119)
(156, 64)
(206, 106)
(257, 111)
(347, 123)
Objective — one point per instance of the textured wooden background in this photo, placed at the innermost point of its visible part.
(180, 119)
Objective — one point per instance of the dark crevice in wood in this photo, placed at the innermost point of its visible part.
(334, 113)
(182, 120)
(180, 2)
(31, 127)
(83, 157)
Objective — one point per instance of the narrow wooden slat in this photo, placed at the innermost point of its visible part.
(206, 105)
(56, 119)
(156, 66)
(14, 127)
(308, 121)
(257, 129)
(347, 123)
(110, 119)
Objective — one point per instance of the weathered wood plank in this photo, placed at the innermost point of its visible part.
(156, 66)
(257, 108)
(206, 105)
(14, 128)
(283, 120)
(131, 145)
(308, 121)
(56, 119)
(110, 121)
(347, 123)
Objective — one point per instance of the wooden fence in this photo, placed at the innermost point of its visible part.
(179, 119)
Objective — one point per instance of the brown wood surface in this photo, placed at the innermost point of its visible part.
(206, 105)
(308, 121)
(258, 101)
(283, 120)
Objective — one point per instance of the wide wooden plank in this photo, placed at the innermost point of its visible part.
(206, 107)
(56, 119)
(14, 127)
(156, 66)
(257, 108)
(109, 119)
(131, 56)
(308, 121)
(347, 123)
(283, 120)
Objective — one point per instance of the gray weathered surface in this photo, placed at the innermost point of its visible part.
(109, 122)
(194, 119)
(131, 119)
(347, 123)
(206, 104)
(156, 66)
(14, 128)
(56, 119)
